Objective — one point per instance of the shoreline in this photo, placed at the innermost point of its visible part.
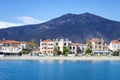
(83, 58)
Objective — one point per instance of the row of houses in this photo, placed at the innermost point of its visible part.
(49, 46)
(97, 45)
(11, 47)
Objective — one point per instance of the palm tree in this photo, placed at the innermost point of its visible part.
(65, 51)
(56, 50)
(32, 44)
(88, 43)
(88, 51)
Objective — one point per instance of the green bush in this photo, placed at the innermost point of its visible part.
(116, 53)
(25, 51)
(65, 51)
(88, 51)
(66, 54)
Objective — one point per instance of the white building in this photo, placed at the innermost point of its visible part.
(47, 46)
(84, 47)
(96, 45)
(11, 46)
(24, 44)
(114, 45)
(76, 48)
(61, 43)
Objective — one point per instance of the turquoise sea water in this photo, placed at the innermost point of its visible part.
(59, 70)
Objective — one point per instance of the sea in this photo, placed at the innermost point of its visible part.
(59, 70)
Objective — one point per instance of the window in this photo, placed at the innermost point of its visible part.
(56, 43)
(64, 44)
(114, 46)
(99, 46)
(19, 48)
(118, 46)
(95, 42)
(43, 43)
(90, 46)
(70, 48)
(95, 46)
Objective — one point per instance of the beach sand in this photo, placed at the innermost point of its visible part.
(60, 58)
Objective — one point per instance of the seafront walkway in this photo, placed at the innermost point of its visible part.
(60, 58)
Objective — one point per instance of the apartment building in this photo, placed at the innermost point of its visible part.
(61, 43)
(11, 46)
(96, 45)
(47, 46)
(76, 48)
(114, 45)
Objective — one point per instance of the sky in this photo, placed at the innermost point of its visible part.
(24, 12)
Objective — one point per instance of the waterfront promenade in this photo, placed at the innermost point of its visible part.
(60, 58)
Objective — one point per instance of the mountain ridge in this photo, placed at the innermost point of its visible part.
(76, 27)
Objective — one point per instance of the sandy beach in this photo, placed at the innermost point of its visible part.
(59, 58)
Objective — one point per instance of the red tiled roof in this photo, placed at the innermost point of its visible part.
(24, 42)
(106, 46)
(78, 44)
(9, 42)
(96, 39)
(116, 41)
(48, 40)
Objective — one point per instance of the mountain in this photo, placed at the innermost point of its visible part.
(76, 27)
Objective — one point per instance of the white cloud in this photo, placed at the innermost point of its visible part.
(25, 20)
(4, 24)
(29, 20)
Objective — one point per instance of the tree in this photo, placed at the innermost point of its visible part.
(88, 51)
(116, 53)
(56, 50)
(59, 53)
(32, 44)
(88, 43)
(25, 51)
(65, 51)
